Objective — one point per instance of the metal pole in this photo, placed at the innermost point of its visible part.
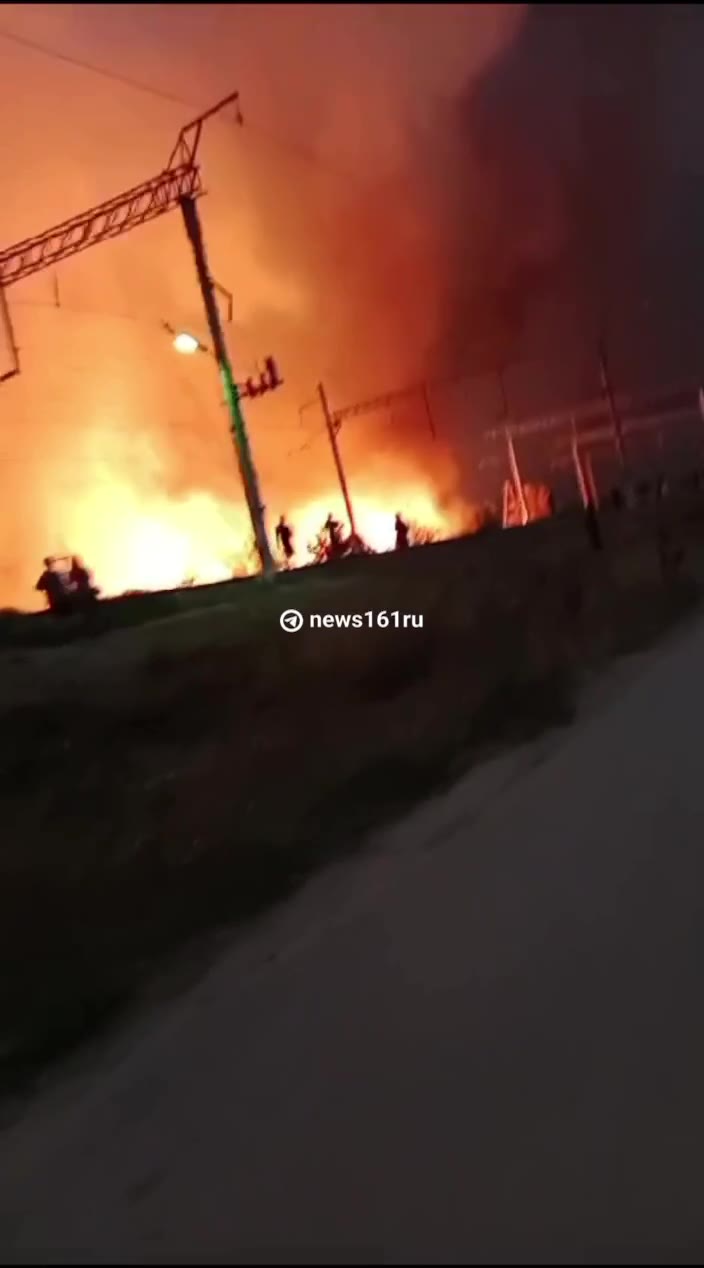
(506, 507)
(516, 477)
(579, 472)
(587, 489)
(591, 481)
(332, 427)
(232, 396)
(512, 459)
(7, 330)
(613, 411)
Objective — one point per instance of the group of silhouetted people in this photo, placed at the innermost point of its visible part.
(70, 590)
(336, 544)
(67, 592)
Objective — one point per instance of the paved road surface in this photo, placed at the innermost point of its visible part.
(486, 1045)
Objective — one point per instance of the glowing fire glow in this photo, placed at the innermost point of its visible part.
(133, 543)
(374, 516)
(138, 543)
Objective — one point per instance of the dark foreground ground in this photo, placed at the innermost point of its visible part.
(167, 780)
(481, 1043)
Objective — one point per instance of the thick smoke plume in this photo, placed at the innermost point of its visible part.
(319, 217)
(583, 189)
(416, 190)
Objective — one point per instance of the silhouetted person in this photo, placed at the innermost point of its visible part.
(284, 538)
(401, 527)
(81, 581)
(334, 531)
(82, 592)
(51, 585)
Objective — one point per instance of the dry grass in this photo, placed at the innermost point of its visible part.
(164, 780)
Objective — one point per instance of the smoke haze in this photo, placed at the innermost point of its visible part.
(583, 140)
(422, 189)
(316, 218)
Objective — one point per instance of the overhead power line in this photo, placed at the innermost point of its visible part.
(293, 148)
(80, 64)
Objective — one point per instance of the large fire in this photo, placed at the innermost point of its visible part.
(374, 516)
(116, 449)
(134, 543)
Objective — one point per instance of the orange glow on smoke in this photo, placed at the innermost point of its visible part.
(323, 219)
(374, 516)
(156, 543)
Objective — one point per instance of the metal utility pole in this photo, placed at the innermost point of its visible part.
(177, 185)
(516, 477)
(511, 449)
(585, 482)
(7, 331)
(591, 480)
(607, 389)
(333, 426)
(230, 389)
(581, 476)
(584, 471)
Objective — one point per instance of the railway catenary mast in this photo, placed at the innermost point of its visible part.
(177, 186)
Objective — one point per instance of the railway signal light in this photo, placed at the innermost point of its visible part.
(268, 380)
(271, 375)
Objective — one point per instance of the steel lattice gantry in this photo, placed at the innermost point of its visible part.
(109, 220)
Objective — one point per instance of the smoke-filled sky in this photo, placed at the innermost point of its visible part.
(585, 132)
(416, 190)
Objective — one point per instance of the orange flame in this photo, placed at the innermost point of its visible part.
(374, 516)
(139, 543)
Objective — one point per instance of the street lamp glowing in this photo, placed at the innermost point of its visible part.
(185, 343)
